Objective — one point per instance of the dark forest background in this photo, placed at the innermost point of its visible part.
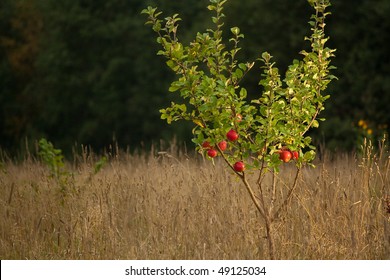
(86, 71)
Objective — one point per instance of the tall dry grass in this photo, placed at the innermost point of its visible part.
(170, 206)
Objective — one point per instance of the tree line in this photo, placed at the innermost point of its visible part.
(86, 71)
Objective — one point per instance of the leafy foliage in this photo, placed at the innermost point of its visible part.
(263, 132)
(83, 71)
(52, 157)
(20, 30)
(209, 82)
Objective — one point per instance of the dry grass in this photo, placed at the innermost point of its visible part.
(163, 207)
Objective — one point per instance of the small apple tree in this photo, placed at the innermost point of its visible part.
(256, 136)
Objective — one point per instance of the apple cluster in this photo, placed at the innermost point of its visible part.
(212, 152)
(286, 154)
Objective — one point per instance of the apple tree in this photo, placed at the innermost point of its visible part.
(254, 137)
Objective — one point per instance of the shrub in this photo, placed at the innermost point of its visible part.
(209, 78)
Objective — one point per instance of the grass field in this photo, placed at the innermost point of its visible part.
(173, 206)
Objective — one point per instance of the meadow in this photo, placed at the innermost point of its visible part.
(171, 205)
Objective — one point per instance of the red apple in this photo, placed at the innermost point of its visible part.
(206, 145)
(285, 155)
(239, 166)
(295, 155)
(212, 153)
(232, 135)
(238, 117)
(222, 145)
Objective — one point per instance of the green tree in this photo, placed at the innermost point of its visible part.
(84, 70)
(262, 131)
(363, 89)
(359, 34)
(96, 77)
(20, 25)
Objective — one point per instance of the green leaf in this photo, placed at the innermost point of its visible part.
(238, 74)
(243, 93)
(243, 66)
(315, 123)
(211, 7)
(235, 30)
